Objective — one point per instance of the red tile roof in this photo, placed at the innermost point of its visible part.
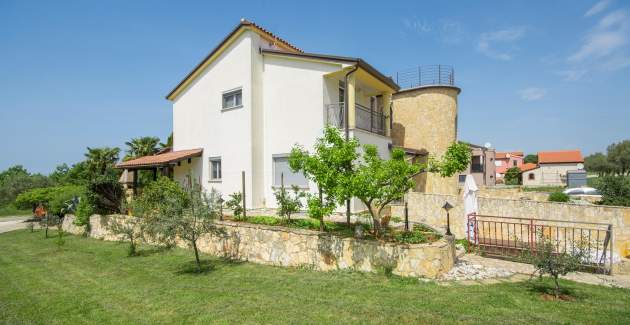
(503, 154)
(528, 167)
(160, 159)
(566, 156)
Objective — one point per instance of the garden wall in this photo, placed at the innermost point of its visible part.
(311, 249)
(427, 208)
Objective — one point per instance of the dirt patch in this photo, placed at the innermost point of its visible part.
(549, 297)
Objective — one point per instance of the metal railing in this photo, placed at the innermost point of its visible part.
(365, 118)
(426, 75)
(512, 237)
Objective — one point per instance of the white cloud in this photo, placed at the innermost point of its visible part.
(417, 26)
(597, 8)
(532, 94)
(451, 31)
(605, 42)
(498, 44)
(573, 74)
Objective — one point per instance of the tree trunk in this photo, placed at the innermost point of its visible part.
(321, 204)
(348, 212)
(557, 289)
(375, 219)
(194, 242)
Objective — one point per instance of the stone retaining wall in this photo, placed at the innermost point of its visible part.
(427, 208)
(311, 249)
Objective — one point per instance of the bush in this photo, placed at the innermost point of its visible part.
(287, 203)
(235, 203)
(615, 190)
(83, 212)
(420, 234)
(55, 199)
(558, 197)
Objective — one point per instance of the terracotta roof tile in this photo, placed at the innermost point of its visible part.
(566, 156)
(160, 159)
(528, 167)
(503, 154)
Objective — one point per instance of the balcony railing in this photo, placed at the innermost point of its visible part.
(365, 118)
(426, 75)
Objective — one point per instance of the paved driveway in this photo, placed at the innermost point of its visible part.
(12, 223)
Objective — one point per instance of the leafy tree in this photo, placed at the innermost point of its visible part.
(99, 161)
(330, 167)
(83, 212)
(187, 217)
(140, 147)
(105, 194)
(512, 176)
(287, 203)
(235, 203)
(531, 159)
(615, 190)
(55, 199)
(547, 260)
(599, 163)
(619, 154)
(16, 180)
(456, 159)
(377, 182)
(168, 143)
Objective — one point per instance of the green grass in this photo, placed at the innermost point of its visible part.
(11, 211)
(548, 189)
(92, 281)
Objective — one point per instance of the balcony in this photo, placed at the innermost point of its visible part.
(366, 119)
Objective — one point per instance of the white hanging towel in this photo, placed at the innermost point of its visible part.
(470, 203)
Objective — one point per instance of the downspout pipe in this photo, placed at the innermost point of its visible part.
(347, 126)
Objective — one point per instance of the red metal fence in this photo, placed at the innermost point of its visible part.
(512, 237)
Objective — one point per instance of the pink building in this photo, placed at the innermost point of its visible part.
(506, 160)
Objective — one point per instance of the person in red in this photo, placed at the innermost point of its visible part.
(40, 211)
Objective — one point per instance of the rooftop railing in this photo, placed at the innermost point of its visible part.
(426, 75)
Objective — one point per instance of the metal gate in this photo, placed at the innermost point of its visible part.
(508, 237)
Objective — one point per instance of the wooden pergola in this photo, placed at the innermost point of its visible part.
(163, 162)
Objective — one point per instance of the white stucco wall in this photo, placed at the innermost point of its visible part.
(549, 174)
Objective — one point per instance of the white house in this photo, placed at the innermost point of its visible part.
(552, 168)
(253, 98)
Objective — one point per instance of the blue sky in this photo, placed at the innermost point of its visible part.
(535, 75)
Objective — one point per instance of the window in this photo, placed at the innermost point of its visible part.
(281, 169)
(462, 178)
(531, 176)
(215, 168)
(233, 99)
(476, 164)
(514, 163)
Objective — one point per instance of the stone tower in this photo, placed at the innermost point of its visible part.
(424, 122)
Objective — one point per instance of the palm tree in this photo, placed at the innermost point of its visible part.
(169, 142)
(140, 147)
(99, 160)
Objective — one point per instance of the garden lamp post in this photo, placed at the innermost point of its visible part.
(447, 206)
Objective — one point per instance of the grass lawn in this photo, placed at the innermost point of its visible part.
(11, 211)
(92, 281)
(548, 189)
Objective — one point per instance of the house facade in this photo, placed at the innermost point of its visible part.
(482, 166)
(255, 96)
(552, 168)
(505, 160)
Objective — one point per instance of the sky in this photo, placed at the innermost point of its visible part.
(535, 75)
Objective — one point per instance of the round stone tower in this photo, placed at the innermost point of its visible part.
(424, 122)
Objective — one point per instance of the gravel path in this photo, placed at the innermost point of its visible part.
(12, 223)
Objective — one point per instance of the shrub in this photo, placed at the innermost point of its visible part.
(558, 197)
(127, 229)
(420, 234)
(615, 190)
(512, 176)
(235, 203)
(55, 199)
(287, 203)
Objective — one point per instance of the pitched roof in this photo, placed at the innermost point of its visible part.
(326, 57)
(566, 156)
(160, 159)
(504, 154)
(244, 23)
(528, 167)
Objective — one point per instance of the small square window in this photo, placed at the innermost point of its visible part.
(232, 99)
(215, 168)
(531, 176)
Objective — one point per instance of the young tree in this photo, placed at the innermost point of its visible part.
(186, 213)
(330, 167)
(128, 229)
(235, 203)
(377, 182)
(547, 260)
(287, 203)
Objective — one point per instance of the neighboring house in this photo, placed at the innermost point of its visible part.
(237, 115)
(505, 160)
(552, 168)
(482, 166)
